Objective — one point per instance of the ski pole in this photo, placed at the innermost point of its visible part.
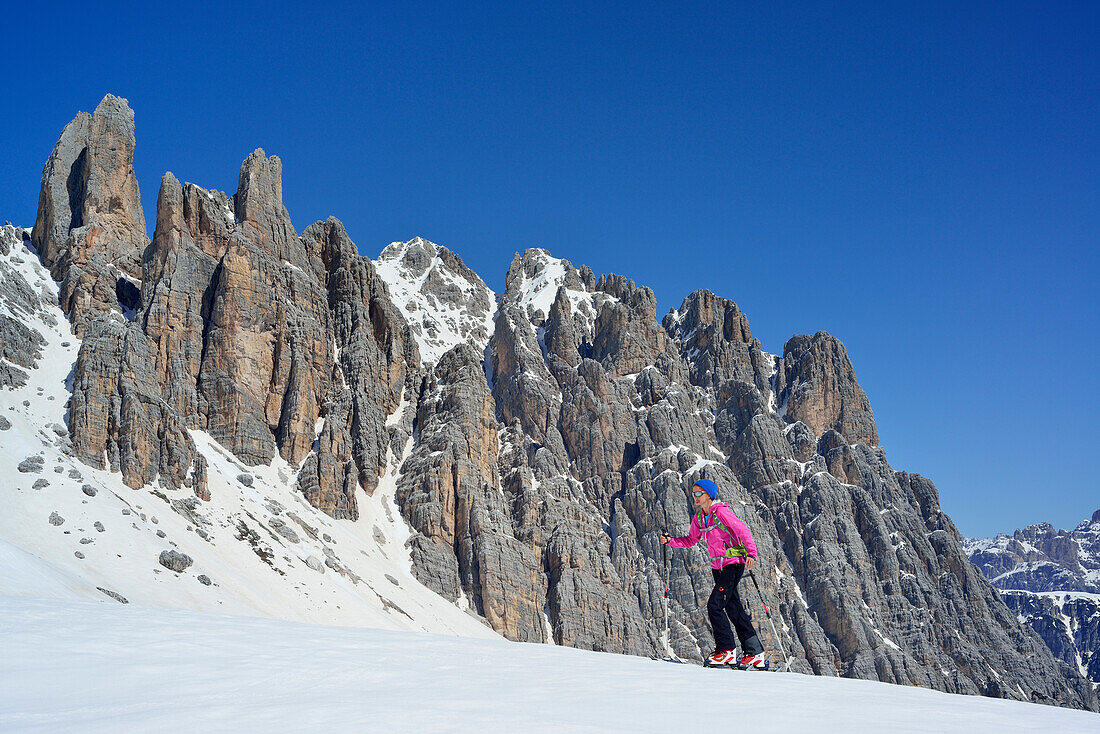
(786, 660)
(664, 546)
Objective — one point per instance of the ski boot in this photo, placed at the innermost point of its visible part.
(754, 662)
(721, 659)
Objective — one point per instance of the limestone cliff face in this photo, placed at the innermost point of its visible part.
(90, 229)
(377, 368)
(450, 492)
(268, 346)
(817, 386)
(191, 237)
(20, 345)
(236, 328)
(247, 320)
(90, 232)
(539, 442)
(117, 411)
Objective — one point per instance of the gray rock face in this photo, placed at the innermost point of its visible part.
(10, 236)
(449, 491)
(19, 345)
(20, 303)
(716, 333)
(378, 364)
(565, 408)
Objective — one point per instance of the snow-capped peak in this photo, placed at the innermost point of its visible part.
(539, 284)
(535, 279)
(445, 302)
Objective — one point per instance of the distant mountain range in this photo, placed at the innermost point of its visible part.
(1051, 579)
(236, 416)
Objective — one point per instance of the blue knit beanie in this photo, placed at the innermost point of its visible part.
(710, 487)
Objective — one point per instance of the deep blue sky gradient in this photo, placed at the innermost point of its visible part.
(922, 180)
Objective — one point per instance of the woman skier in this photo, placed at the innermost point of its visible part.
(732, 553)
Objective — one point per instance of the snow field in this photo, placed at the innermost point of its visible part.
(105, 667)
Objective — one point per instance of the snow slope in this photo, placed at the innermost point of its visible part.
(104, 667)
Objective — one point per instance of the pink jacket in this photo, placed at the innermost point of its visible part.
(724, 531)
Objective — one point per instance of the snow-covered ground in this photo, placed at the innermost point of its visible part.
(105, 667)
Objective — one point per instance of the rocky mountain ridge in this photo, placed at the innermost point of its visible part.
(1040, 558)
(536, 443)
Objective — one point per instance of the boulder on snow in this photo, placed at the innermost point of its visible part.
(31, 465)
(114, 595)
(175, 561)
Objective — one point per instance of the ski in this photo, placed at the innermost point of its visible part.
(767, 668)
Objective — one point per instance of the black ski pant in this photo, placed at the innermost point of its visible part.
(725, 607)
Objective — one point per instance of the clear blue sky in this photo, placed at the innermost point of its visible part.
(920, 180)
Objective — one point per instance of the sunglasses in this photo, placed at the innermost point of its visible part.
(698, 493)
